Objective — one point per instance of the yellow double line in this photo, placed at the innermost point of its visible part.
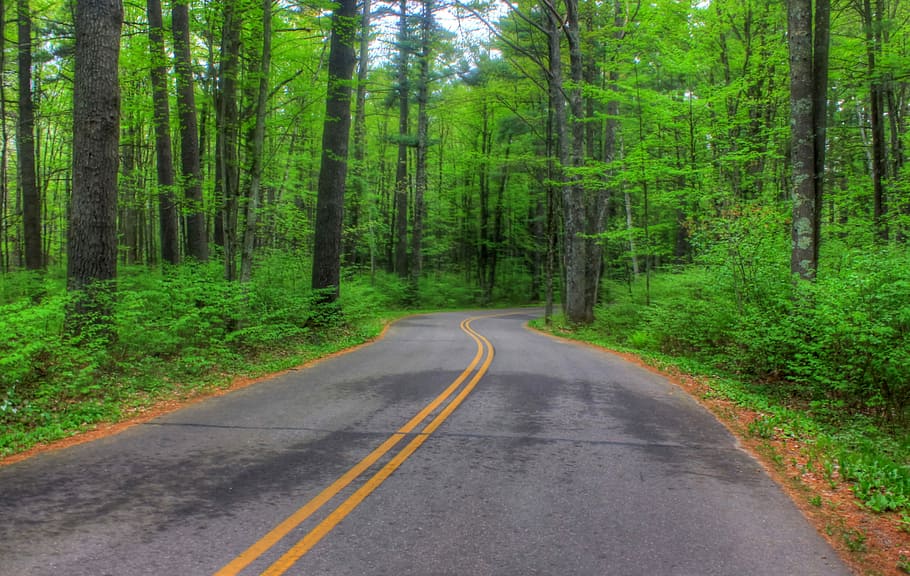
(303, 546)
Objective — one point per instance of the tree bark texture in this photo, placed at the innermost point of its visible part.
(401, 172)
(262, 99)
(25, 144)
(358, 184)
(228, 129)
(197, 246)
(561, 141)
(802, 93)
(420, 170)
(573, 192)
(92, 235)
(333, 171)
(872, 21)
(820, 58)
(167, 206)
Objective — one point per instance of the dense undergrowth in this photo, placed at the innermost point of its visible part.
(174, 334)
(827, 362)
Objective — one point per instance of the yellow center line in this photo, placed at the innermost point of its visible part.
(284, 563)
(259, 548)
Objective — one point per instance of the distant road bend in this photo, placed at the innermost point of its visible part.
(457, 445)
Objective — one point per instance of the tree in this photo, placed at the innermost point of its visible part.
(191, 171)
(401, 172)
(92, 238)
(808, 86)
(873, 24)
(262, 99)
(358, 185)
(25, 145)
(420, 170)
(228, 121)
(167, 206)
(333, 169)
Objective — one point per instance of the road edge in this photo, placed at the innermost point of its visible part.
(167, 406)
(783, 472)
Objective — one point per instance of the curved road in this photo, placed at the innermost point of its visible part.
(449, 447)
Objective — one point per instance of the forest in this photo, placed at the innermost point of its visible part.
(192, 187)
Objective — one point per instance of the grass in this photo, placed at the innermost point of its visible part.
(177, 335)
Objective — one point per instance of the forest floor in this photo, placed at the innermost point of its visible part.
(871, 543)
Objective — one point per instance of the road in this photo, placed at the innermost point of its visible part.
(452, 446)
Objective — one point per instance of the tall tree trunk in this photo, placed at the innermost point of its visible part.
(25, 145)
(573, 193)
(820, 51)
(872, 21)
(802, 97)
(633, 251)
(483, 180)
(558, 108)
(228, 131)
(496, 240)
(420, 170)
(4, 150)
(167, 207)
(129, 215)
(600, 199)
(92, 237)
(358, 185)
(401, 172)
(333, 170)
(252, 205)
(197, 246)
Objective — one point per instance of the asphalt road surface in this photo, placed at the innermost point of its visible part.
(450, 447)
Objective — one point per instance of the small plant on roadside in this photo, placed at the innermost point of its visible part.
(829, 468)
(855, 540)
(762, 427)
(903, 564)
(816, 501)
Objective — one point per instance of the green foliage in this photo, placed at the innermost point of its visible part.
(176, 331)
(825, 362)
(875, 463)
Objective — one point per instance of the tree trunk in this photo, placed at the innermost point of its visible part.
(401, 172)
(252, 205)
(228, 130)
(558, 108)
(632, 249)
(25, 145)
(483, 180)
(420, 170)
(197, 246)
(600, 199)
(92, 237)
(573, 192)
(4, 152)
(129, 215)
(802, 96)
(872, 20)
(820, 50)
(333, 171)
(358, 185)
(167, 207)
(496, 241)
